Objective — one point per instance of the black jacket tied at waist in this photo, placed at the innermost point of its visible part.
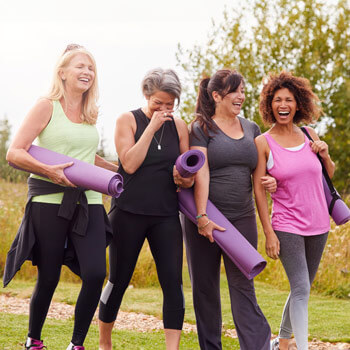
(22, 246)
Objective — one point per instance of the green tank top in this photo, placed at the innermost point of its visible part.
(77, 140)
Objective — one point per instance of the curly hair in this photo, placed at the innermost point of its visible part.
(309, 108)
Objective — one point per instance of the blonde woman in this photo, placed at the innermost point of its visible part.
(64, 122)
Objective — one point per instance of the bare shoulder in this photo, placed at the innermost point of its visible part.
(43, 107)
(312, 132)
(40, 114)
(260, 141)
(125, 119)
(180, 124)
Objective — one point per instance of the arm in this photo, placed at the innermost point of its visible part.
(132, 154)
(182, 131)
(201, 193)
(321, 148)
(272, 245)
(34, 123)
(102, 163)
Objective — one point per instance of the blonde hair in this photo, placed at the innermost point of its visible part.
(89, 111)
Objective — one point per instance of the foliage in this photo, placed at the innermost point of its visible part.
(309, 37)
(7, 172)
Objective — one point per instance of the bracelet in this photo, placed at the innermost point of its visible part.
(206, 224)
(201, 215)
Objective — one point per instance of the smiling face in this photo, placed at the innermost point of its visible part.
(284, 106)
(232, 102)
(79, 74)
(160, 101)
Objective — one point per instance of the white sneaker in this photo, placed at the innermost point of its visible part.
(274, 344)
(71, 346)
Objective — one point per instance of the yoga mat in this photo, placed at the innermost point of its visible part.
(190, 162)
(340, 213)
(231, 241)
(81, 173)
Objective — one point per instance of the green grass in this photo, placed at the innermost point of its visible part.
(328, 316)
(57, 335)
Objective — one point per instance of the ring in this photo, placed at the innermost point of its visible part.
(165, 114)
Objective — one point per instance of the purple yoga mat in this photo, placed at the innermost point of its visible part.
(340, 213)
(190, 162)
(81, 173)
(231, 241)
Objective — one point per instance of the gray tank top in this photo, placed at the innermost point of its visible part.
(231, 163)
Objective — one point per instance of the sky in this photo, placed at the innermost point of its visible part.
(127, 38)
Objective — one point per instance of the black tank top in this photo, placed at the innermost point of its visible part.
(151, 189)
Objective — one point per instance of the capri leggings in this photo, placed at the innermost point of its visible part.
(51, 232)
(165, 239)
(300, 256)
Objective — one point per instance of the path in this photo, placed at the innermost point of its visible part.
(129, 320)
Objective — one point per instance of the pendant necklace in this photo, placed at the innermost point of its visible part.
(159, 146)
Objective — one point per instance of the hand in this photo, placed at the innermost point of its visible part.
(320, 147)
(56, 174)
(269, 183)
(208, 227)
(184, 182)
(159, 118)
(272, 246)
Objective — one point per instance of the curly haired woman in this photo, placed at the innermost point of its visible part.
(299, 227)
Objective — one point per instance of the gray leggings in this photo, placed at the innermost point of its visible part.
(300, 256)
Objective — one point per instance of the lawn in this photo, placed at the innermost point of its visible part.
(328, 317)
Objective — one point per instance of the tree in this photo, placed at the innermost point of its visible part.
(6, 172)
(101, 150)
(309, 37)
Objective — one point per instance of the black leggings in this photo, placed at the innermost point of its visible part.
(165, 239)
(51, 232)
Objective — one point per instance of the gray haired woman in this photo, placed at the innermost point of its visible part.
(148, 141)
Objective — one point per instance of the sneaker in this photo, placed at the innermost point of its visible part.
(274, 344)
(33, 344)
(71, 346)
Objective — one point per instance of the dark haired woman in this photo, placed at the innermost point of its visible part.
(227, 141)
(300, 220)
(148, 141)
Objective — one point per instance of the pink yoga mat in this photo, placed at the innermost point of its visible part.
(81, 173)
(231, 241)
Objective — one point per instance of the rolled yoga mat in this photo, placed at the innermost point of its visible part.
(81, 173)
(190, 162)
(231, 241)
(340, 212)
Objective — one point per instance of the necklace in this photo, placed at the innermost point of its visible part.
(159, 146)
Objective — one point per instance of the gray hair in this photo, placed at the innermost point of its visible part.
(159, 79)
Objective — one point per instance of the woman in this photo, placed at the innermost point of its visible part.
(227, 140)
(300, 220)
(64, 122)
(148, 141)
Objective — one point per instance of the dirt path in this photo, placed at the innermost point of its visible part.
(129, 320)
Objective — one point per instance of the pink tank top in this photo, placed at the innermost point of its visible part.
(299, 204)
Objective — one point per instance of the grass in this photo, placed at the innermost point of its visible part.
(57, 335)
(328, 316)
